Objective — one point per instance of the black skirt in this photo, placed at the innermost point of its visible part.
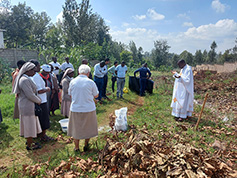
(54, 102)
(44, 117)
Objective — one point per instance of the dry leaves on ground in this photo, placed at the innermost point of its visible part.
(141, 155)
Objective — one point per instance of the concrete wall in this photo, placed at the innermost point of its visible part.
(14, 55)
(226, 68)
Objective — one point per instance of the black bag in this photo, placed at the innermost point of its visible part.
(38, 110)
(134, 85)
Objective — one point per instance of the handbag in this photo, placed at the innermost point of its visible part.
(38, 110)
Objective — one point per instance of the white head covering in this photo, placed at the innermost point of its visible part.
(46, 68)
(26, 67)
(68, 71)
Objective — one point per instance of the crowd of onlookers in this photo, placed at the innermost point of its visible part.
(39, 90)
(37, 96)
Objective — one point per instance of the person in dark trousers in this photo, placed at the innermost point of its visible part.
(114, 76)
(99, 71)
(107, 61)
(143, 78)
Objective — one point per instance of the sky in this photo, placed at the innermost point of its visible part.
(185, 24)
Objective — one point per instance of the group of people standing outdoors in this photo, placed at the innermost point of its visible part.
(37, 88)
(37, 96)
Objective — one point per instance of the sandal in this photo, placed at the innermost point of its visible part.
(33, 147)
(47, 138)
(180, 119)
(176, 118)
(86, 148)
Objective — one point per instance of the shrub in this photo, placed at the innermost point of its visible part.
(5, 71)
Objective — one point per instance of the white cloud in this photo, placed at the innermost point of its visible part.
(224, 32)
(184, 15)
(222, 28)
(218, 6)
(187, 24)
(141, 36)
(154, 15)
(60, 16)
(139, 17)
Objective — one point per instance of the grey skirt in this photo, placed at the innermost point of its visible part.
(82, 125)
(29, 126)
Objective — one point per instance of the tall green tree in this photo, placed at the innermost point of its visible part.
(133, 49)
(54, 37)
(126, 56)
(198, 57)
(140, 55)
(174, 61)
(188, 57)
(82, 26)
(70, 11)
(17, 24)
(102, 32)
(115, 50)
(160, 54)
(235, 51)
(40, 27)
(212, 53)
(6, 4)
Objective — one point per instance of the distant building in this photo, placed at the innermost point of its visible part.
(1, 38)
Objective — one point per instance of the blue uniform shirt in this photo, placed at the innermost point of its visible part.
(143, 72)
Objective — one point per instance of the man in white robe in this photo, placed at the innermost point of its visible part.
(183, 92)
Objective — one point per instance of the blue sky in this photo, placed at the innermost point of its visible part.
(185, 24)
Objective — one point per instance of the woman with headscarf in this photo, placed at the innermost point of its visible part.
(26, 90)
(66, 99)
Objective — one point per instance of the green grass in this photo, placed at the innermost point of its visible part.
(152, 112)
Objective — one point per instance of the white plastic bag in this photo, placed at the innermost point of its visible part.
(121, 119)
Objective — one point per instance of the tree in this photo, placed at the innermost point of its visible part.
(212, 53)
(159, 55)
(205, 56)
(54, 37)
(115, 50)
(17, 24)
(140, 55)
(187, 56)
(82, 26)
(235, 51)
(40, 26)
(198, 57)
(175, 60)
(102, 32)
(70, 11)
(6, 4)
(133, 49)
(126, 56)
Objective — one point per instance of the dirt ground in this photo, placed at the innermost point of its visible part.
(221, 89)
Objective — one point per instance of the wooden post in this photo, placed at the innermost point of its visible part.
(199, 118)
